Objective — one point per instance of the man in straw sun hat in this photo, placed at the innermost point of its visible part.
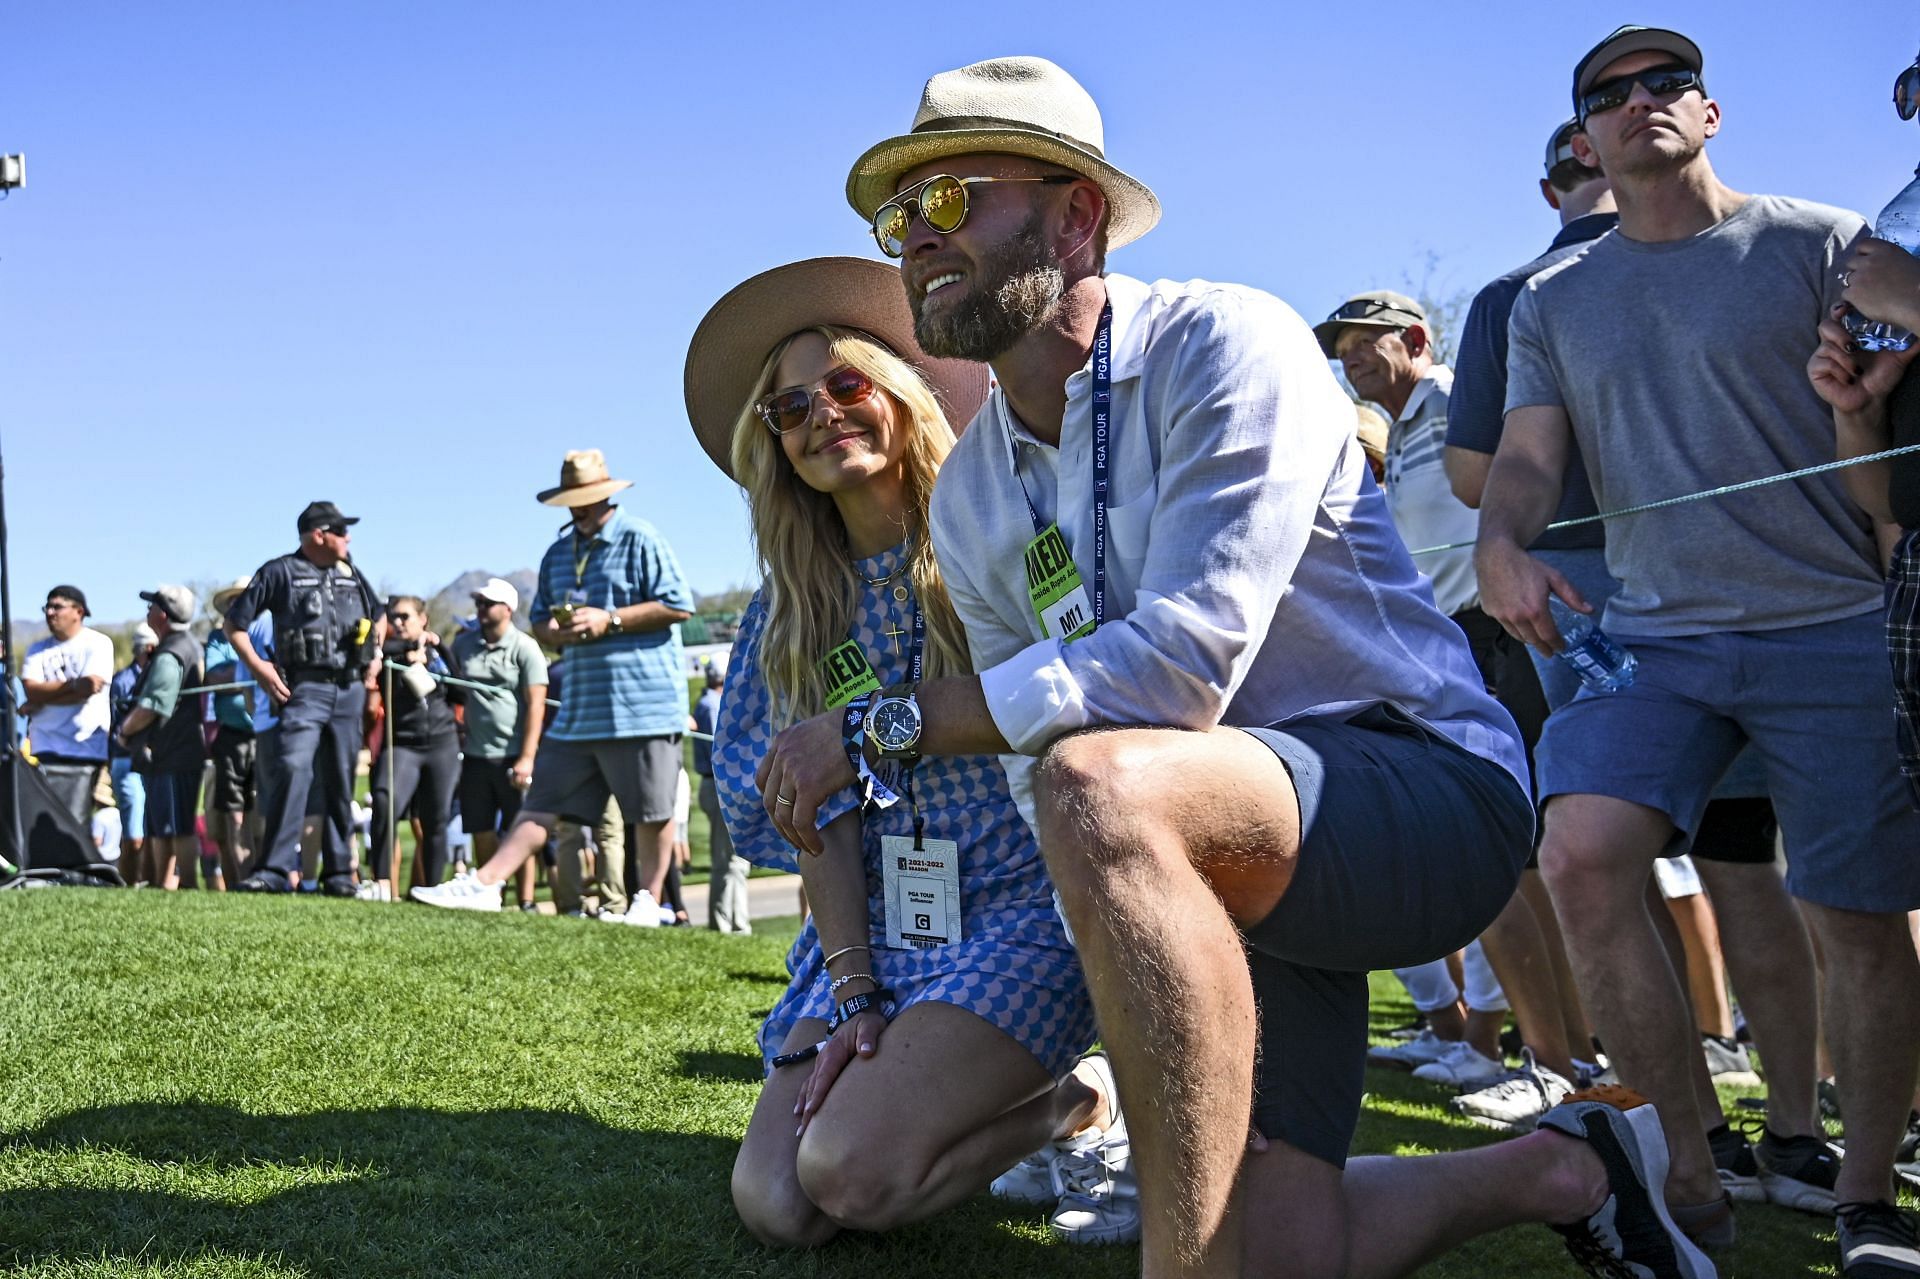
(805, 385)
(610, 594)
(1161, 520)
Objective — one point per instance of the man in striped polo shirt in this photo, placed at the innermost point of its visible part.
(610, 594)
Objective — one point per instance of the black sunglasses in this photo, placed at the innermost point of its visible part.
(337, 530)
(1661, 82)
(1906, 92)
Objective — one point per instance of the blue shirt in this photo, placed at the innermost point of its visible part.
(705, 712)
(1477, 412)
(633, 684)
(228, 708)
(260, 631)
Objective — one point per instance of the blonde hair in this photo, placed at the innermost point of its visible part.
(809, 585)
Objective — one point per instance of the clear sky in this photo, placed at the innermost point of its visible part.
(404, 256)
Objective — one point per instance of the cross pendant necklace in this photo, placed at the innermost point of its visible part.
(894, 635)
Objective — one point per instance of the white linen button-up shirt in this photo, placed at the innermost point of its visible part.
(1253, 574)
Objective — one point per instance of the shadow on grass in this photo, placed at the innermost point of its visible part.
(734, 1067)
(757, 978)
(408, 1191)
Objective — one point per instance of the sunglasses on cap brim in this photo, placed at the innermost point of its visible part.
(1906, 92)
(1661, 82)
(1369, 309)
(941, 201)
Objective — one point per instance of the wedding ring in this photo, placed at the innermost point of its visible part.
(782, 799)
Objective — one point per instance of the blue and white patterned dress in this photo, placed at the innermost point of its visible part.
(1013, 966)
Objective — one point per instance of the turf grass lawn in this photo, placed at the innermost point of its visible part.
(203, 1085)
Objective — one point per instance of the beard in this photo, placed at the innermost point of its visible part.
(1015, 289)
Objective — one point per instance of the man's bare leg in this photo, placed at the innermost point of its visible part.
(230, 834)
(1598, 860)
(1573, 1012)
(1152, 837)
(1706, 965)
(1385, 1216)
(1771, 963)
(528, 836)
(1873, 1031)
(652, 848)
(1705, 1099)
(1517, 949)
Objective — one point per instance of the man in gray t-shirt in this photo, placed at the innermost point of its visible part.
(1671, 353)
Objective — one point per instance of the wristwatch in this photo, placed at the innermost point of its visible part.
(894, 724)
(614, 624)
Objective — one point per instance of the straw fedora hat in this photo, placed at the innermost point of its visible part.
(731, 345)
(583, 480)
(227, 594)
(1008, 106)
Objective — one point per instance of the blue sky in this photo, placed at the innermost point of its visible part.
(403, 256)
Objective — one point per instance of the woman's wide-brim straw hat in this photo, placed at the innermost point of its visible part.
(1008, 106)
(732, 343)
(584, 480)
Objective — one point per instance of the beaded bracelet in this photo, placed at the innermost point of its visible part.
(838, 982)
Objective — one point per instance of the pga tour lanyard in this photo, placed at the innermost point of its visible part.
(1102, 435)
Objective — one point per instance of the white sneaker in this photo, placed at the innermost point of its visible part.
(1098, 1193)
(460, 894)
(372, 890)
(1031, 1180)
(611, 917)
(643, 911)
(1516, 1103)
(1418, 1051)
(1464, 1067)
(1728, 1063)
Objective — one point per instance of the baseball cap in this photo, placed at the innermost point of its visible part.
(498, 590)
(145, 636)
(1631, 39)
(320, 515)
(1375, 309)
(175, 601)
(73, 593)
(1560, 145)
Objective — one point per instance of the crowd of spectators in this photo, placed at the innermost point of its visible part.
(1647, 787)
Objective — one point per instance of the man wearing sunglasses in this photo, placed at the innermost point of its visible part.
(1161, 528)
(327, 629)
(1672, 353)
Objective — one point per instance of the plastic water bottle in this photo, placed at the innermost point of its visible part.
(1899, 224)
(1604, 666)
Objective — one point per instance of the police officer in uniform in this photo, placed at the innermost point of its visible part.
(326, 634)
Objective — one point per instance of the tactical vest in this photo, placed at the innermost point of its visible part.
(327, 627)
(176, 744)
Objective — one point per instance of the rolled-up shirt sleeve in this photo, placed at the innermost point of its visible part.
(1250, 425)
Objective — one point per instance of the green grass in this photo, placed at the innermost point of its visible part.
(196, 1085)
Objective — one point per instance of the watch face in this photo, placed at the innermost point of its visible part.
(896, 724)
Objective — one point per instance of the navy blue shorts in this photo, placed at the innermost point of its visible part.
(173, 804)
(1410, 846)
